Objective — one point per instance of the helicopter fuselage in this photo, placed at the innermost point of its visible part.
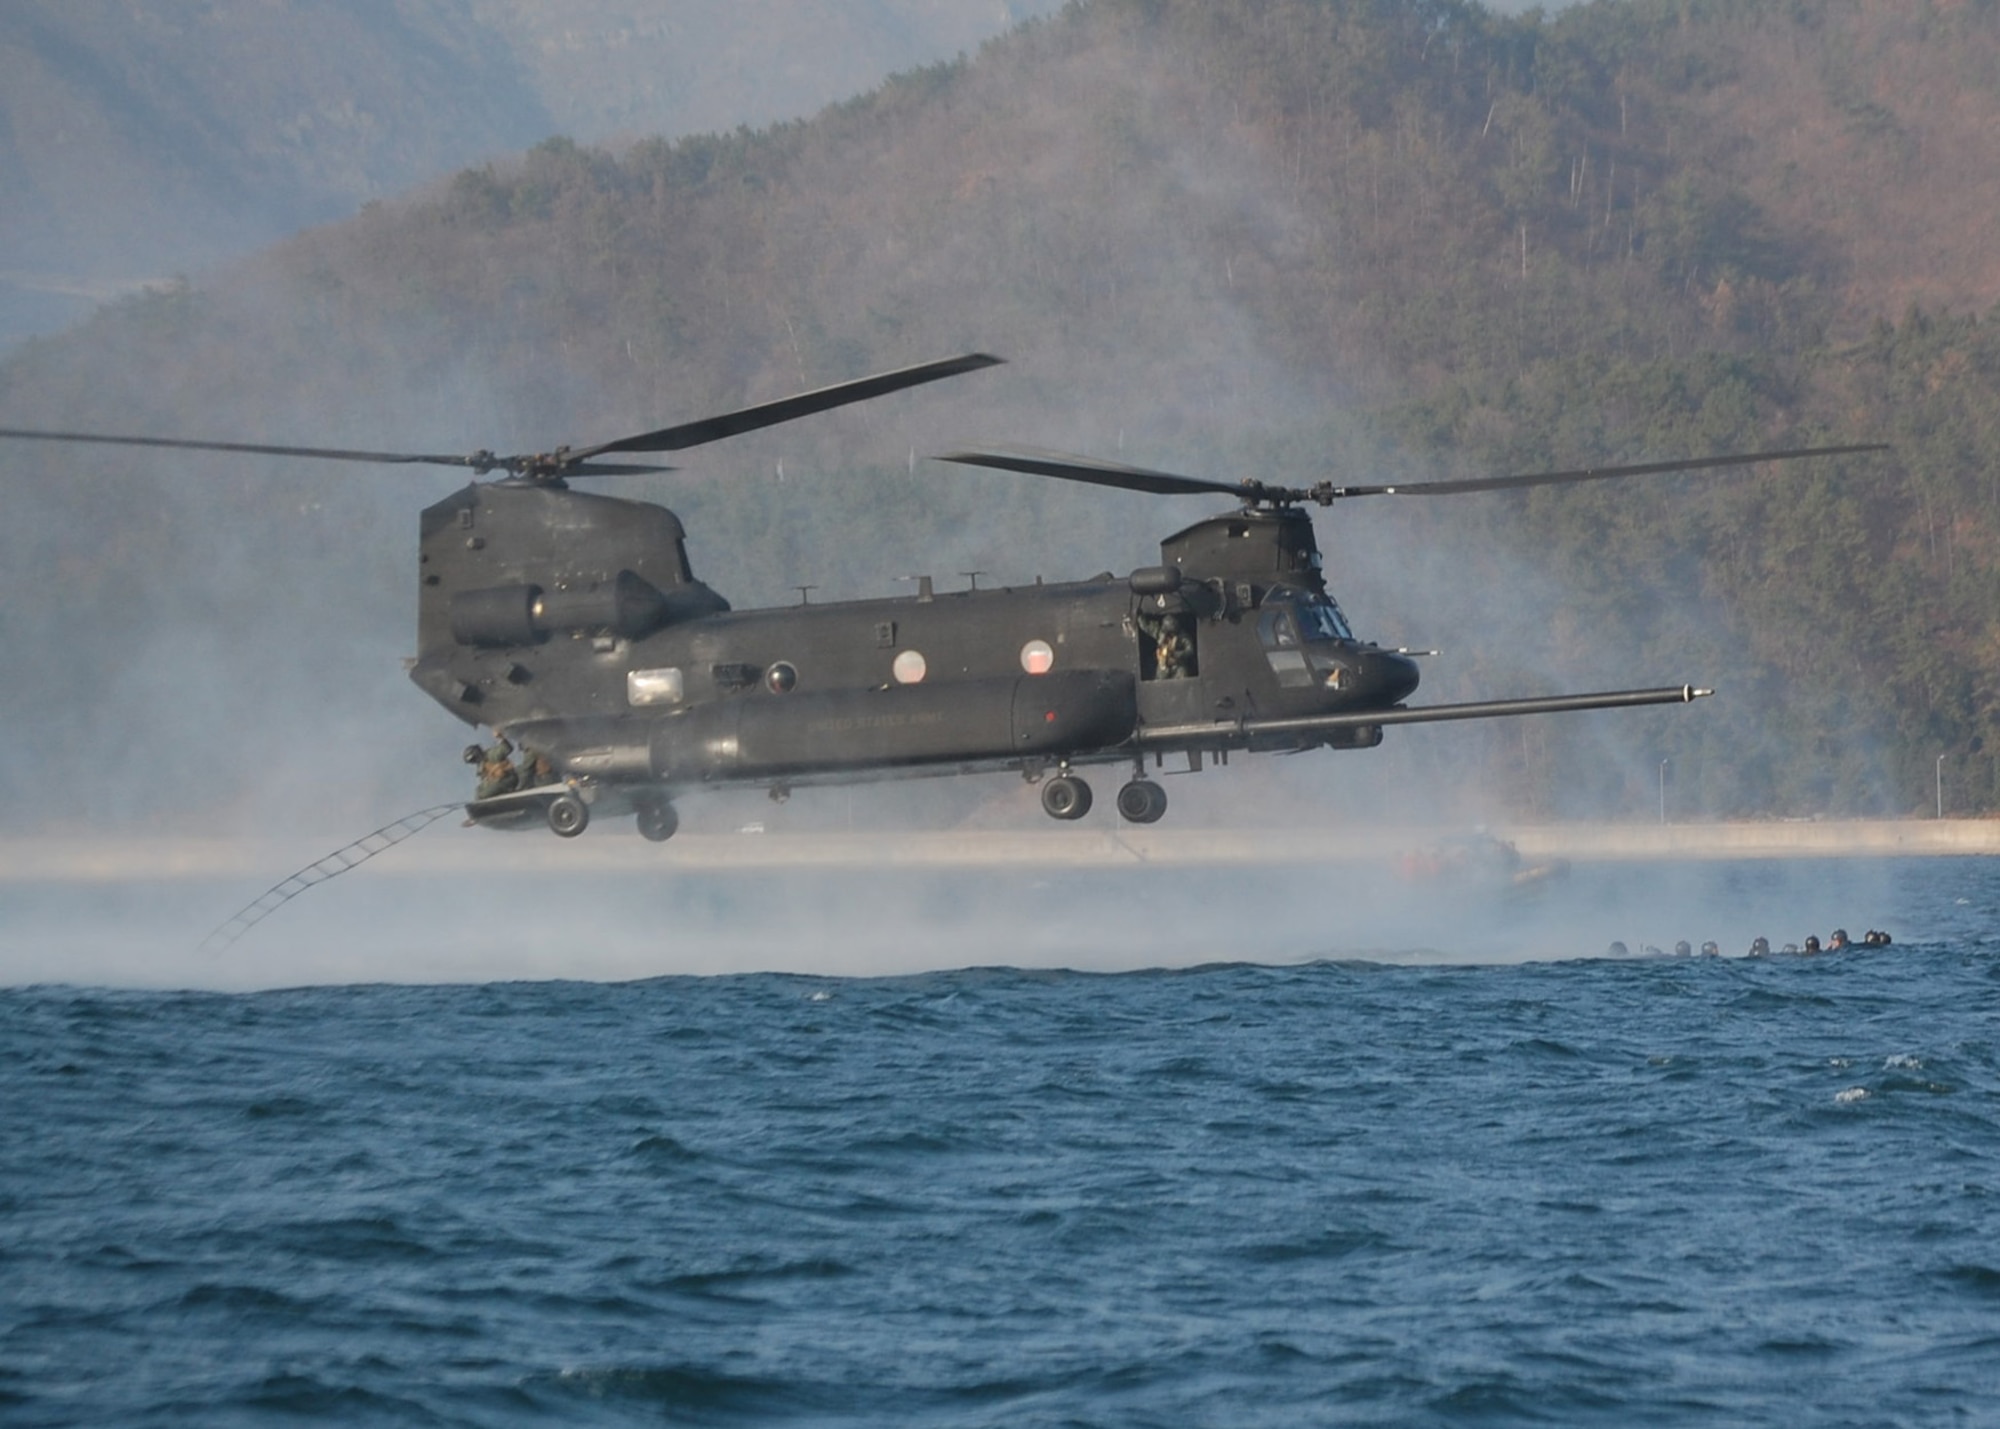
(631, 675)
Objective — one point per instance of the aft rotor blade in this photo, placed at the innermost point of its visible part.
(1181, 734)
(1103, 473)
(769, 414)
(482, 461)
(1588, 473)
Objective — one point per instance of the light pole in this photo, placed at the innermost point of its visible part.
(1940, 785)
(1663, 788)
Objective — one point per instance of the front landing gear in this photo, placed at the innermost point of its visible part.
(1142, 802)
(1065, 797)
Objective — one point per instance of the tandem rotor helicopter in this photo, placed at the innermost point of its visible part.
(574, 623)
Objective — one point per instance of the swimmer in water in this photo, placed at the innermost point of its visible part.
(1710, 949)
(1617, 950)
(1837, 941)
(1812, 944)
(1760, 947)
(1682, 949)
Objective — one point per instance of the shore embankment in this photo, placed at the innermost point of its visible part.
(448, 851)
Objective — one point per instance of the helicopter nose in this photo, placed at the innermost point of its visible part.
(1387, 676)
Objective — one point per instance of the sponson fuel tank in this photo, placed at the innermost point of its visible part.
(907, 726)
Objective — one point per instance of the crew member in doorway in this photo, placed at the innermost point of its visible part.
(497, 774)
(1173, 648)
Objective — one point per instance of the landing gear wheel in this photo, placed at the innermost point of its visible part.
(568, 816)
(657, 822)
(1142, 802)
(1065, 797)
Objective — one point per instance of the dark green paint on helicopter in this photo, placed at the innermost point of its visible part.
(576, 623)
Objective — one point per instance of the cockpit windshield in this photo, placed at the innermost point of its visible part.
(1317, 616)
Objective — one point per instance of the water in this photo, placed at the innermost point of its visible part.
(1400, 1191)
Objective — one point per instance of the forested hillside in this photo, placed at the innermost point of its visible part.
(139, 140)
(1304, 237)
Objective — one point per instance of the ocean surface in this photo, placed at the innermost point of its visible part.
(1492, 1177)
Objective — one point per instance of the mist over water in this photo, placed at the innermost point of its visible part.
(534, 919)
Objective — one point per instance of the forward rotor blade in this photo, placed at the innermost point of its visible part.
(482, 461)
(613, 468)
(1102, 473)
(1588, 473)
(769, 414)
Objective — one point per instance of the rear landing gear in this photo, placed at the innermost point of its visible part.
(1065, 797)
(657, 822)
(1142, 802)
(568, 815)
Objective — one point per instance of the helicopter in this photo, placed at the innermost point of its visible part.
(573, 626)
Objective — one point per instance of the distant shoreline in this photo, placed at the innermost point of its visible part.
(456, 851)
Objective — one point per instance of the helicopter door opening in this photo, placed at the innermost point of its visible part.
(1167, 645)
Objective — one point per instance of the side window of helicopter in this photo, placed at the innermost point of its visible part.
(1279, 634)
(1276, 629)
(654, 687)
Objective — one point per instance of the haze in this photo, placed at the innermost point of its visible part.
(137, 144)
(340, 700)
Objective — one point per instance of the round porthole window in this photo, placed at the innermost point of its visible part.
(909, 668)
(781, 678)
(1037, 656)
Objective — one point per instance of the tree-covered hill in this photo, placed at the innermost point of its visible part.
(138, 140)
(1312, 237)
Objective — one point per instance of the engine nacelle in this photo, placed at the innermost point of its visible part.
(504, 615)
(627, 605)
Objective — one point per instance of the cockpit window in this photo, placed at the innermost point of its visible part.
(1317, 616)
(1322, 620)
